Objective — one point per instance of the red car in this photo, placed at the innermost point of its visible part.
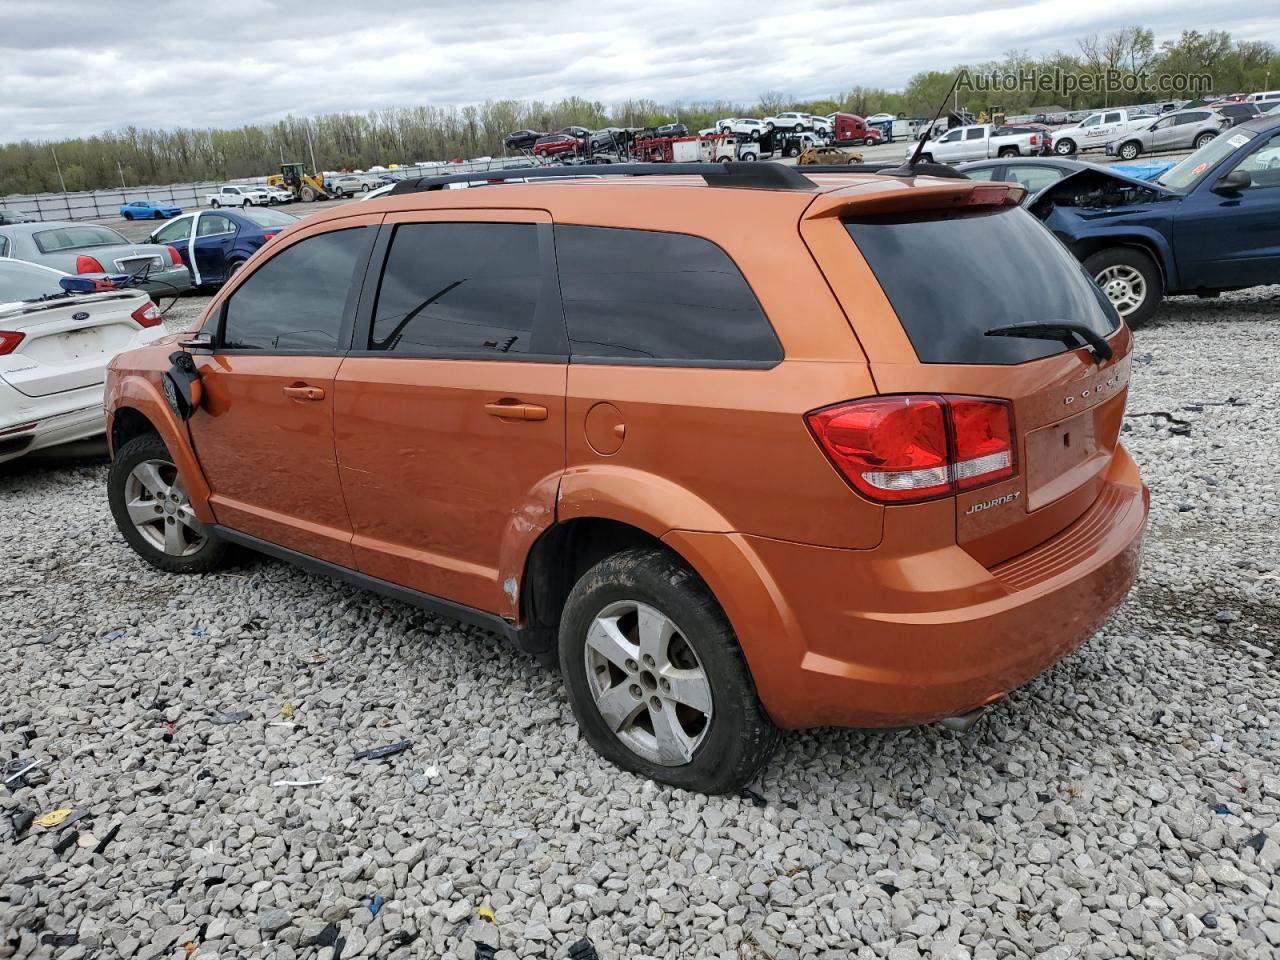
(568, 140)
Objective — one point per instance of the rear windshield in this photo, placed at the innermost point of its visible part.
(953, 275)
(268, 218)
(27, 281)
(75, 238)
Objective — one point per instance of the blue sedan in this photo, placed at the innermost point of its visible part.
(215, 243)
(149, 210)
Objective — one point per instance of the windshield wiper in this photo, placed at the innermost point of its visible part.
(1063, 330)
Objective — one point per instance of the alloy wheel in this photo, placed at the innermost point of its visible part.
(1124, 286)
(160, 511)
(647, 682)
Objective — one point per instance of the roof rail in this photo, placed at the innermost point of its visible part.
(945, 171)
(728, 173)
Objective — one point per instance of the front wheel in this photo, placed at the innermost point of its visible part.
(1203, 139)
(1064, 148)
(159, 215)
(1130, 279)
(150, 506)
(247, 204)
(656, 678)
(1129, 151)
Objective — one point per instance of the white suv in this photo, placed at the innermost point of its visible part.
(743, 127)
(790, 121)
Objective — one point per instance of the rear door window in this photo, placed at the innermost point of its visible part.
(458, 288)
(298, 300)
(952, 275)
(644, 296)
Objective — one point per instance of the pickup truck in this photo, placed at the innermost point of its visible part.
(1096, 130)
(978, 142)
(238, 196)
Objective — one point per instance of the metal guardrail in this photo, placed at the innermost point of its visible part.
(106, 204)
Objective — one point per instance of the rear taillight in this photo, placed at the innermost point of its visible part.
(905, 449)
(88, 265)
(175, 258)
(1034, 141)
(148, 315)
(268, 236)
(9, 341)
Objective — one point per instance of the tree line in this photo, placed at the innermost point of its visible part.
(136, 157)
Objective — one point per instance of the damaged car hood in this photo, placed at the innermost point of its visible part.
(1098, 193)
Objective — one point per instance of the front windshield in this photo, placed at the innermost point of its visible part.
(1187, 173)
(26, 281)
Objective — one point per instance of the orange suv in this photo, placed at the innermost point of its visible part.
(745, 449)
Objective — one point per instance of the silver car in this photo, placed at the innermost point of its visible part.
(92, 248)
(1179, 130)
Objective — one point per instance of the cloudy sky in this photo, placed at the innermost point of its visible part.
(72, 67)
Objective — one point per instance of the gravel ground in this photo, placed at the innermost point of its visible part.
(1127, 803)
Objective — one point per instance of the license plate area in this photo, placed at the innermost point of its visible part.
(1062, 457)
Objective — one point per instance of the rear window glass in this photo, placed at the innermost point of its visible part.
(652, 297)
(74, 238)
(268, 218)
(26, 281)
(952, 276)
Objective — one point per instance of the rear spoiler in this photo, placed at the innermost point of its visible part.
(916, 196)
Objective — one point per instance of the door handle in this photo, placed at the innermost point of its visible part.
(303, 391)
(516, 410)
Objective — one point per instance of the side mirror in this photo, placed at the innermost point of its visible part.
(199, 342)
(1233, 182)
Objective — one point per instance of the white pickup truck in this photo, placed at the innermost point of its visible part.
(1096, 130)
(238, 196)
(978, 142)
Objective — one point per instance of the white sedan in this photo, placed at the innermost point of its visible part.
(54, 351)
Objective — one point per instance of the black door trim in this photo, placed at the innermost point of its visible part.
(521, 637)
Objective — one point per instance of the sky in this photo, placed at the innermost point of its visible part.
(234, 62)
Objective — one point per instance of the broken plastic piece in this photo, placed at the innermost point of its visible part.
(53, 817)
(111, 835)
(287, 711)
(484, 913)
(22, 820)
(390, 750)
(584, 949)
(20, 770)
(239, 716)
(485, 952)
(301, 783)
(375, 904)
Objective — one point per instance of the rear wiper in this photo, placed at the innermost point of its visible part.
(1063, 330)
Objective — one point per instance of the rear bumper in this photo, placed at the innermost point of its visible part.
(62, 418)
(862, 638)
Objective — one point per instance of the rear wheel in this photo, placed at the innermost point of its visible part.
(247, 204)
(1008, 152)
(215, 204)
(150, 506)
(232, 267)
(1129, 150)
(1130, 279)
(1203, 139)
(656, 677)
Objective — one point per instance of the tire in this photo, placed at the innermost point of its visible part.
(246, 204)
(926, 158)
(202, 550)
(215, 204)
(716, 750)
(1064, 148)
(1203, 139)
(364, 188)
(128, 216)
(1118, 270)
(798, 128)
(337, 193)
(308, 194)
(158, 215)
(1007, 152)
(769, 125)
(749, 158)
(232, 267)
(1129, 150)
(793, 152)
